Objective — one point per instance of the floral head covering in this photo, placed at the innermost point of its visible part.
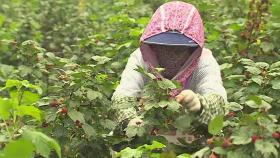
(175, 16)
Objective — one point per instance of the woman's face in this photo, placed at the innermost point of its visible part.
(172, 58)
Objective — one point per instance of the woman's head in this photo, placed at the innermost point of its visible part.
(177, 29)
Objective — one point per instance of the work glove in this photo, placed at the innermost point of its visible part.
(189, 100)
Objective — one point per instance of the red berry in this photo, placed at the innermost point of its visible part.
(227, 143)
(154, 131)
(210, 141)
(64, 111)
(231, 114)
(255, 138)
(276, 135)
(213, 155)
(78, 123)
(54, 103)
(45, 124)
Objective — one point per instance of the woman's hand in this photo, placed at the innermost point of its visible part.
(189, 100)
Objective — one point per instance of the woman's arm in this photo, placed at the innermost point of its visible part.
(208, 85)
(124, 99)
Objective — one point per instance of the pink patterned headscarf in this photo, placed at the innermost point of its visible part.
(182, 17)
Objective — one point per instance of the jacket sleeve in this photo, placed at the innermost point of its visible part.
(208, 85)
(124, 99)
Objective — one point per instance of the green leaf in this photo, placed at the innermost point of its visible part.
(275, 84)
(163, 103)
(275, 65)
(13, 83)
(266, 98)
(29, 98)
(2, 19)
(257, 79)
(166, 84)
(233, 106)
(89, 130)
(154, 145)
(37, 88)
(238, 154)
(101, 59)
(76, 115)
(225, 66)
(241, 136)
(257, 102)
(200, 153)
(108, 124)
(143, 71)
(219, 150)
(253, 70)
(18, 149)
(132, 131)
(92, 95)
(6, 105)
(130, 153)
(174, 106)
(267, 46)
(183, 122)
(235, 77)
(266, 148)
(43, 144)
(216, 125)
(247, 62)
(24, 110)
(184, 156)
(262, 65)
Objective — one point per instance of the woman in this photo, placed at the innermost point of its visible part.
(174, 40)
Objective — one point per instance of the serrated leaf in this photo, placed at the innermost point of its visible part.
(92, 95)
(247, 62)
(143, 71)
(6, 106)
(174, 106)
(89, 130)
(108, 124)
(275, 84)
(257, 79)
(132, 131)
(237, 154)
(21, 148)
(267, 46)
(200, 153)
(184, 156)
(216, 125)
(101, 59)
(219, 150)
(43, 144)
(29, 98)
(266, 148)
(253, 70)
(32, 111)
(130, 153)
(13, 83)
(76, 115)
(263, 65)
(166, 84)
(275, 65)
(154, 145)
(225, 66)
(241, 136)
(233, 106)
(235, 77)
(183, 122)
